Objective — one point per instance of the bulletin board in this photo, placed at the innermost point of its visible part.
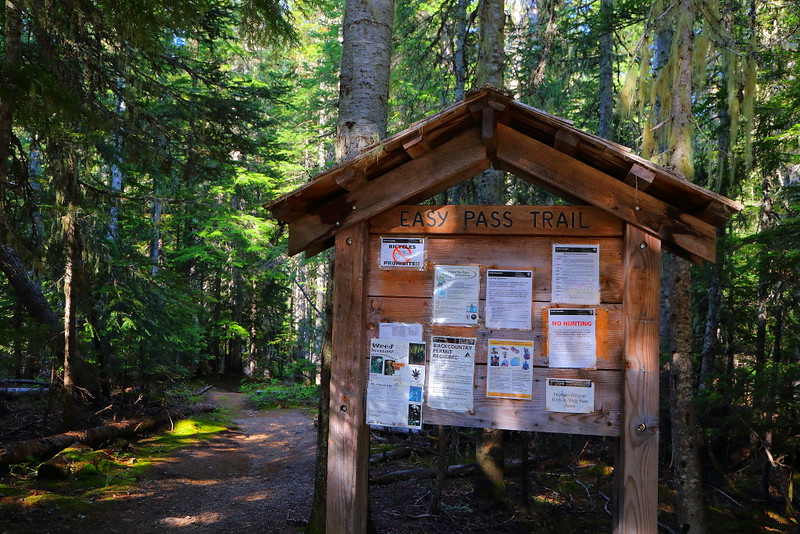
(503, 241)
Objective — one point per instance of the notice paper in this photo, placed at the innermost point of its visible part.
(572, 338)
(396, 380)
(409, 331)
(402, 253)
(509, 374)
(576, 274)
(508, 299)
(451, 373)
(455, 294)
(569, 395)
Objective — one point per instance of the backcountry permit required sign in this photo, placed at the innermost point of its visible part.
(402, 253)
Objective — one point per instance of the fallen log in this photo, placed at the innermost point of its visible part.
(94, 437)
(430, 472)
(391, 454)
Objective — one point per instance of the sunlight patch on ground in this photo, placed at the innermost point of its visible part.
(255, 497)
(206, 518)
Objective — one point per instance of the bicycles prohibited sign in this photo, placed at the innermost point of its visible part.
(402, 253)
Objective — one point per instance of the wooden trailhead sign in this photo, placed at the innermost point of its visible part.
(537, 318)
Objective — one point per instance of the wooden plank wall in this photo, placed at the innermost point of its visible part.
(505, 237)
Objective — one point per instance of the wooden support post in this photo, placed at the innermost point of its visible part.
(348, 439)
(636, 473)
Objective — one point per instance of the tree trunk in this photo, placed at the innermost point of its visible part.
(489, 484)
(685, 449)
(491, 64)
(441, 470)
(27, 290)
(606, 107)
(65, 176)
(364, 76)
(363, 104)
(12, 49)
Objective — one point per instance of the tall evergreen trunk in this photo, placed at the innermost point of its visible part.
(490, 70)
(606, 107)
(685, 447)
(64, 173)
(489, 482)
(459, 193)
(363, 108)
(767, 213)
(8, 72)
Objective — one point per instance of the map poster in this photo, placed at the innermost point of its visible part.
(569, 395)
(396, 380)
(402, 253)
(509, 374)
(508, 299)
(572, 338)
(451, 373)
(455, 294)
(576, 274)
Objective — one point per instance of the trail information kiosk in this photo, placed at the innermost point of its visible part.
(539, 318)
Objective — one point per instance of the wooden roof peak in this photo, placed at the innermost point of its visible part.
(489, 128)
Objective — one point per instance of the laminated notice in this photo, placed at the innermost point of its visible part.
(402, 253)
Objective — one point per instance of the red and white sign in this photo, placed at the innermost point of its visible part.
(402, 253)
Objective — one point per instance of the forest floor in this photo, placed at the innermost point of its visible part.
(256, 475)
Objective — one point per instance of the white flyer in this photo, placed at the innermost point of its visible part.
(455, 294)
(396, 380)
(451, 373)
(572, 338)
(576, 274)
(509, 295)
(409, 331)
(569, 395)
(509, 374)
(402, 253)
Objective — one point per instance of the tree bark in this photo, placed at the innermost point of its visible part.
(12, 49)
(685, 446)
(490, 70)
(363, 107)
(364, 75)
(489, 484)
(606, 107)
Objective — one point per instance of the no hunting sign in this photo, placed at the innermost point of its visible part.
(402, 253)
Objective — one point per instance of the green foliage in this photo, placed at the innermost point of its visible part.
(280, 395)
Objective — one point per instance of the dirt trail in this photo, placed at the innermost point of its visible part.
(258, 478)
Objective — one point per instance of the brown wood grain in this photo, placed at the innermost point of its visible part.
(348, 439)
(561, 221)
(637, 469)
(553, 168)
(495, 252)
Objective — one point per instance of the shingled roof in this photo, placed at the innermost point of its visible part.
(490, 128)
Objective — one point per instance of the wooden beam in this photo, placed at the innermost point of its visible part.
(566, 142)
(452, 162)
(541, 164)
(636, 474)
(639, 177)
(416, 147)
(348, 438)
(351, 179)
